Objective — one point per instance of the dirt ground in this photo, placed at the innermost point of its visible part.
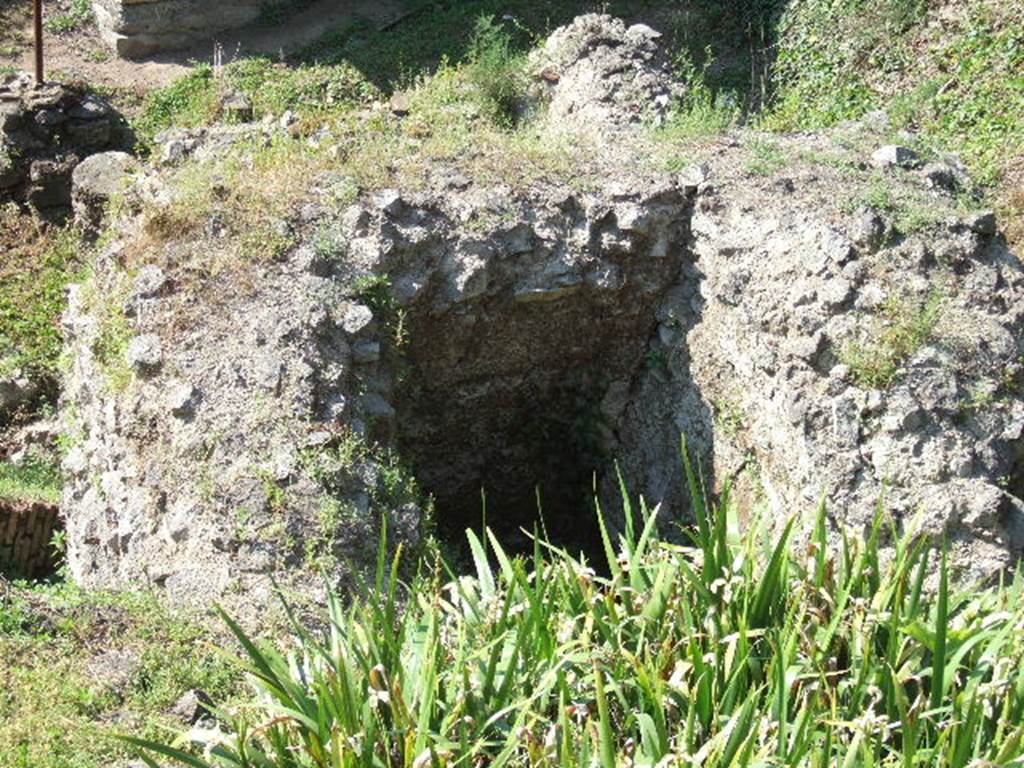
(80, 55)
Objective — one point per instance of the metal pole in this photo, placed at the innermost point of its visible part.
(38, 4)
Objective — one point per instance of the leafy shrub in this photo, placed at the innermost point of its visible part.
(496, 72)
(730, 652)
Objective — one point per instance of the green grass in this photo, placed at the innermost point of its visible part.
(702, 111)
(36, 479)
(335, 75)
(61, 703)
(188, 102)
(910, 210)
(766, 157)
(728, 652)
(957, 81)
(494, 69)
(496, 72)
(74, 15)
(106, 304)
(308, 90)
(978, 107)
(902, 328)
(35, 267)
(254, 187)
(396, 58)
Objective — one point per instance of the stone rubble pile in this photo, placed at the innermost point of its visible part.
(45, 132)
(596, 76)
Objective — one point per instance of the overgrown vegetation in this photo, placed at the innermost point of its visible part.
(395, 58)
(956, 81)
(35, 265)
(496, 72)
(766, 157)
(362, 61)
(702, 111)
(950, 71)
(946, 73)
(493, 70)
(110, 344)
(189, 101)
(464, 114)
(729, 652)
(79, 668)
(242, 199)
(35, 479)
(909, 210)
(196, 98)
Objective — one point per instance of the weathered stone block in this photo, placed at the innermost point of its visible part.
(136, 28)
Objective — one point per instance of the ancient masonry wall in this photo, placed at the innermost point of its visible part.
(135, 28)
(26, 532)
(45, 133)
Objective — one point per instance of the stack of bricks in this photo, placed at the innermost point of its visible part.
(26, 534)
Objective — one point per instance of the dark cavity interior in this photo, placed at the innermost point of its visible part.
(505, 401)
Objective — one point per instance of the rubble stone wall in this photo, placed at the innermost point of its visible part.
(45, 132)
(537, 340)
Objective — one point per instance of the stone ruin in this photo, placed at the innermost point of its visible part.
(135, 28)
(512, 339)
(28, 524)
(45, 132)
(53, 138)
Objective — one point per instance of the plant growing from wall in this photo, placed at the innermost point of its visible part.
(903, 327)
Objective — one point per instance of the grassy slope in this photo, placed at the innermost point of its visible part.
(77, 669)
(35, 265)
(35, 480)
(952, 71)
